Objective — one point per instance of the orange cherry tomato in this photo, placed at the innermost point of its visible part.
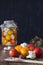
(3, 34)
(18, 48)
(13, 42)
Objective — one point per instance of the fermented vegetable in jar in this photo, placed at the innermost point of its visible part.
(9, 33)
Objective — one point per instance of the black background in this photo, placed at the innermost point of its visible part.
(28, 14)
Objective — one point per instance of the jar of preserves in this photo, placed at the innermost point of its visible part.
(9, 33)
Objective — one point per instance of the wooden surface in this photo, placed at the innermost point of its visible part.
(38, 61)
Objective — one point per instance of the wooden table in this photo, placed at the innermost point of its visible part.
(38, 61)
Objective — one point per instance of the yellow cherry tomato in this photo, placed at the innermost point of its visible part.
(24, 52)
(26, 48)
(4, 42)
(15, 31)
(8, 37)
(10, 31)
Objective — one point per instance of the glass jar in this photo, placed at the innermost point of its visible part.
(9, 33)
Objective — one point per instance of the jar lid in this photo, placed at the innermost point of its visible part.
(10, 23)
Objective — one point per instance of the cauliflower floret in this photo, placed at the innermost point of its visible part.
(8, 48)
(24, 44)
(6, 29)
(12, 37)
(31, 55)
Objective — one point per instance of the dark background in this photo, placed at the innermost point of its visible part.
(28, 14)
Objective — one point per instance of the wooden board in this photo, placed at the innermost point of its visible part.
(23, 60)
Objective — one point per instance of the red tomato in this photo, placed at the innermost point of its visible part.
(38, 52)
(31, 46)
(13, 53)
